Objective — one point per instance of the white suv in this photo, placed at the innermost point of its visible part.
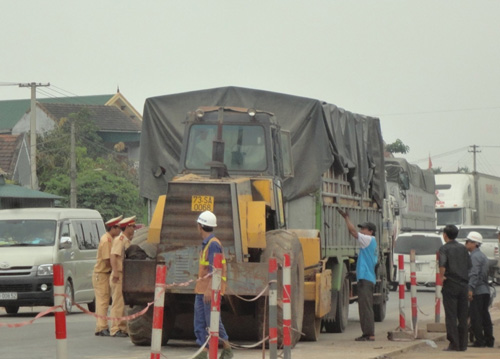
(425, 244)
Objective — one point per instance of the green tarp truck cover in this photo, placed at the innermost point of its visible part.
(322, 135)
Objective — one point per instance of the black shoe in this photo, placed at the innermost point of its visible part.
(365, 338)
(120, 334)
(102, 333)
(450, 349)
(478, 345)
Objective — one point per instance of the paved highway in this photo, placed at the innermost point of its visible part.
(38, 339)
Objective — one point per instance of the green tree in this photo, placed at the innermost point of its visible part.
(397, 147)
(105, 179)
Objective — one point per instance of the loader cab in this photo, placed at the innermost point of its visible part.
(248, 143)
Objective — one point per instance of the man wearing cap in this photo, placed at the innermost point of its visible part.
(210, 246)
(100, 277)
(365, 274)
(120, 245)
(454, 265)
(479, 293)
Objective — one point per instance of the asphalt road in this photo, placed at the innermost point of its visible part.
(37, 340)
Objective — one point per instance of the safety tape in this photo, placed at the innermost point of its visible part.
(39, 315)
(229, 291)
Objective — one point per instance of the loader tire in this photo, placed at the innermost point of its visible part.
(140, 328)
(280, 242)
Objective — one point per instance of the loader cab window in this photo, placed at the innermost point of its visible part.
(244, 147)
(286, 153)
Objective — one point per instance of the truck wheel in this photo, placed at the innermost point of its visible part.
(339, 324)
(280, 242)
(140, 328)
(91, 306)
(68, 300)
(12, 309)
(311, 326)
(379, 311)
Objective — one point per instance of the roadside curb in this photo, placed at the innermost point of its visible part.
(436, 337)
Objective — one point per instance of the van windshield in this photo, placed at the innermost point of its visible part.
(421, 244)
(29, 232)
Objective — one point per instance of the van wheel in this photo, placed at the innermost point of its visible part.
(68, 299)
(91, 306)
(12, 309)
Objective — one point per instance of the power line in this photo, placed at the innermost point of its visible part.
(439, 111)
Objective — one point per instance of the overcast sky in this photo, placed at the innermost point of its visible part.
(429, 69)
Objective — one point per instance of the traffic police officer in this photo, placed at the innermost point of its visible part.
(120, 245)
(100, 277)
(210, 246)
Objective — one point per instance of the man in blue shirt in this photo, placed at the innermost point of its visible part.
(365, 273)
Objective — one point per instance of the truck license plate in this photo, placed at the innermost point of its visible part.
(202, 203)
(8, 296)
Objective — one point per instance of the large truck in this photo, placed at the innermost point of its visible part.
(412, 195)
(467, 199)
(273, 168)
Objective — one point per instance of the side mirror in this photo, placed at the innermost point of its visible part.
(65, 243)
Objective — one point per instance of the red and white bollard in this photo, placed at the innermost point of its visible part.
(159, 300)
(439, 285)
(215, 307)
(401, 263)
(413, 278)
(273, 308)
(287, 308)
(59, 314)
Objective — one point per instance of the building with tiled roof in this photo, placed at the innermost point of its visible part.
(12, 196)
(118, 121)
(11, 111)
(14, 158)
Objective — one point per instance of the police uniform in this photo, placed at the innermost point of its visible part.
(120, 245)
(100, 278)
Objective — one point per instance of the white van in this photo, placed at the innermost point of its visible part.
(32, 240)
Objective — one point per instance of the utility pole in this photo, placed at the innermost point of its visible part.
(33, 85)
(72, 198)
(474, 151)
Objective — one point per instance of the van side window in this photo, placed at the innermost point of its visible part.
(91, 240)
(80, 239)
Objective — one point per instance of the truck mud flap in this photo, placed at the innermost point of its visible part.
(138, 281)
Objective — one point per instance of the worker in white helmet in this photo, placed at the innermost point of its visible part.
(479, 293)
(210, 246)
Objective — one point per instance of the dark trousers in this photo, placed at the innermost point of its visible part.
(455, 302)
(365, 305)
(480, 320)
(202, 312)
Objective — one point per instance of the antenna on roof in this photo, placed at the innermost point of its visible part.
(117, 88)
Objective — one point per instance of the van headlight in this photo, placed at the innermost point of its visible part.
(44, 269)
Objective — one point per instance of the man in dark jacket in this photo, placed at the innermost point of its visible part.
(454, 265)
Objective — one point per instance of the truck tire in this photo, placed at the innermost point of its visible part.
(12, 309)
(140, 328)
(311, 326)
(280, 242)
(339, 324)
(91, 306)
